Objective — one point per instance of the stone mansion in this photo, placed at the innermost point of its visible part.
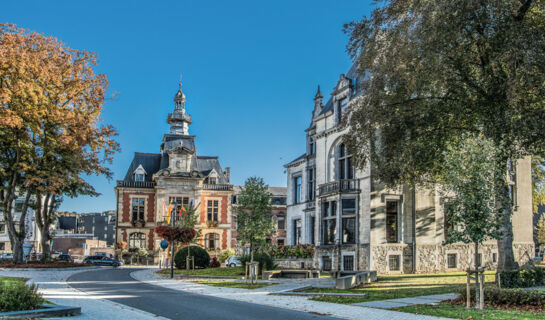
(357, 224)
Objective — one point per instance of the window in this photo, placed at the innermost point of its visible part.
(280, 242)
(178, 202)
(297, 232)
(392, 227)
(311, 176)
(18, 205)
(349, 206)
(341, 108)
(212, 241)
(2, 227)
(297, 189)
(349, 230)
(451, 261)
(137, 240)
(513, 194)
(2, 246)
(138, 177)
(281, 223)
(212, 207)
(312, 147)
(312, 225)
(494, 257)
(326, 263)
(138, 208)
(329, 225)
(393, 262)
(344, 163)
(348, 263)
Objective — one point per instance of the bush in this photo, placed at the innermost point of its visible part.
(226, 254)
(522, 278)
(202, 258)
(266, 262)
(298, 251)
(510, 297)
(17, 296)
(215, 263)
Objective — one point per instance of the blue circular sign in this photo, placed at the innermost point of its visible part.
(164, 245)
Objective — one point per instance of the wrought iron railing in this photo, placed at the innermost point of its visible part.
(221, 187)
(135, 184)
(349, 185)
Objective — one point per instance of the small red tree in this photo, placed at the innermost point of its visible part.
(176, 234)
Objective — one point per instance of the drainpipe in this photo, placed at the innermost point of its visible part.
(414, 228)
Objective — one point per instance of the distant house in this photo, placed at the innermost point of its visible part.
(33, 234)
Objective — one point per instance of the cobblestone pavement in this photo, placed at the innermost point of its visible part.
(52, 284)
(261, 296)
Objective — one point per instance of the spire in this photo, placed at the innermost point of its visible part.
(179, 120)
(318, 94)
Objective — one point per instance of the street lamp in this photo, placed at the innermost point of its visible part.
(172, 221)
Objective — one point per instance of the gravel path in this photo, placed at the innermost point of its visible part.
(261, 296)
(52, 284)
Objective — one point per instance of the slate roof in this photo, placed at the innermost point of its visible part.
(352, 75)
(175, 140)
(296, 159)
(206, 164)
(150, 162)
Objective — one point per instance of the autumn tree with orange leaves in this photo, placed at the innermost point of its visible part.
(51, 134)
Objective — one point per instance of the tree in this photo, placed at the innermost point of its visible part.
(538, 183)
(435, 70)
(470, 205)
(541, 231)
(254, 223)
(51, 134)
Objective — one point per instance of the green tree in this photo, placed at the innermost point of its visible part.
(254, 223)
(541, 231)
(435, 70)
(469, 202)
(538, 183)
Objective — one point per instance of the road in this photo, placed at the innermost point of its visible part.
(117, 285)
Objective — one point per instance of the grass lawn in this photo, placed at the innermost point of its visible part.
(455, 311)
(237, 272)
(402, 286)
(12, 279)
(233, 284)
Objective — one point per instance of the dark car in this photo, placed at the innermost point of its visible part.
(102, 261)
(64, 257)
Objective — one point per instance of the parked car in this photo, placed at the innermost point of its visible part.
(35, 256)
(6, 256)
(233, 262)
(102, 261)
(64, 257)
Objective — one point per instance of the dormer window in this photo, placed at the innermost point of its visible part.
(212, 180)
(139, 177)
(139, 174)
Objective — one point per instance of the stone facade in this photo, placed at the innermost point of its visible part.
(158, 185)
(357, 223)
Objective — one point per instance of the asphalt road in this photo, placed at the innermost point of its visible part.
(117, 285)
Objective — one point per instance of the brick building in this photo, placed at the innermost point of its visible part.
(175, 174)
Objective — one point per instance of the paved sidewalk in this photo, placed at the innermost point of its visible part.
(261, 296)
(404, 302)
(52, 284)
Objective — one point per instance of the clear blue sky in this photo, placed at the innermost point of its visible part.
(250, 71)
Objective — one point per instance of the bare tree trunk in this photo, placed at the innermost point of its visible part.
(506, 257)
(477, 292)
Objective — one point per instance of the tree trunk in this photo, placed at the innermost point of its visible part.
(506, 257)
(44, 242)
(17, 250)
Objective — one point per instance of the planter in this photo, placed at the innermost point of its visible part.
(47, 311)
(295, 263)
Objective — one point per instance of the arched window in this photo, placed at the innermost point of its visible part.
(137, 240)
(212, 241)
(344, 163)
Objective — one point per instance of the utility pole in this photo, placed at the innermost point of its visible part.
(172, 222)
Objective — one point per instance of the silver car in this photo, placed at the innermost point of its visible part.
(233, 262)
(6, 256)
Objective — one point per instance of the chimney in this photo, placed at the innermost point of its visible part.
(227, 174)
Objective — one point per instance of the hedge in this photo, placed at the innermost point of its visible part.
(299, 251)
(522, 278)
(202, 258)
(510, 297)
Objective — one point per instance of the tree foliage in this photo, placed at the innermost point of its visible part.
(182, 235)
(538, 183)
(435, 70)
(254, 223)
(51, 134)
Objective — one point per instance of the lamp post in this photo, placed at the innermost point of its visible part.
(172, 221)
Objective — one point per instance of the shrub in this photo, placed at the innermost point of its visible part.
(17, 296)
(266, 262)
(202, 258)
(215, 263)
(522, 278)
(298, 251)
(510, 297)
(226, 254)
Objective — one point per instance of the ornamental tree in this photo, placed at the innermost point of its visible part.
(435, 70)
(176, 234)
(254, 223)
(51, 134)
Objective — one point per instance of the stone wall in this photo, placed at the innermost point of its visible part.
(295, 263)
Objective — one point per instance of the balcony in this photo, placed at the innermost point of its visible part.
(135, 184)
(339, 186)
(311, 205)
(219, 187)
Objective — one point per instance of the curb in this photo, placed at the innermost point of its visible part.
(47, 311)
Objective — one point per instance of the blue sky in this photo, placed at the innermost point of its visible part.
(250, 71)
